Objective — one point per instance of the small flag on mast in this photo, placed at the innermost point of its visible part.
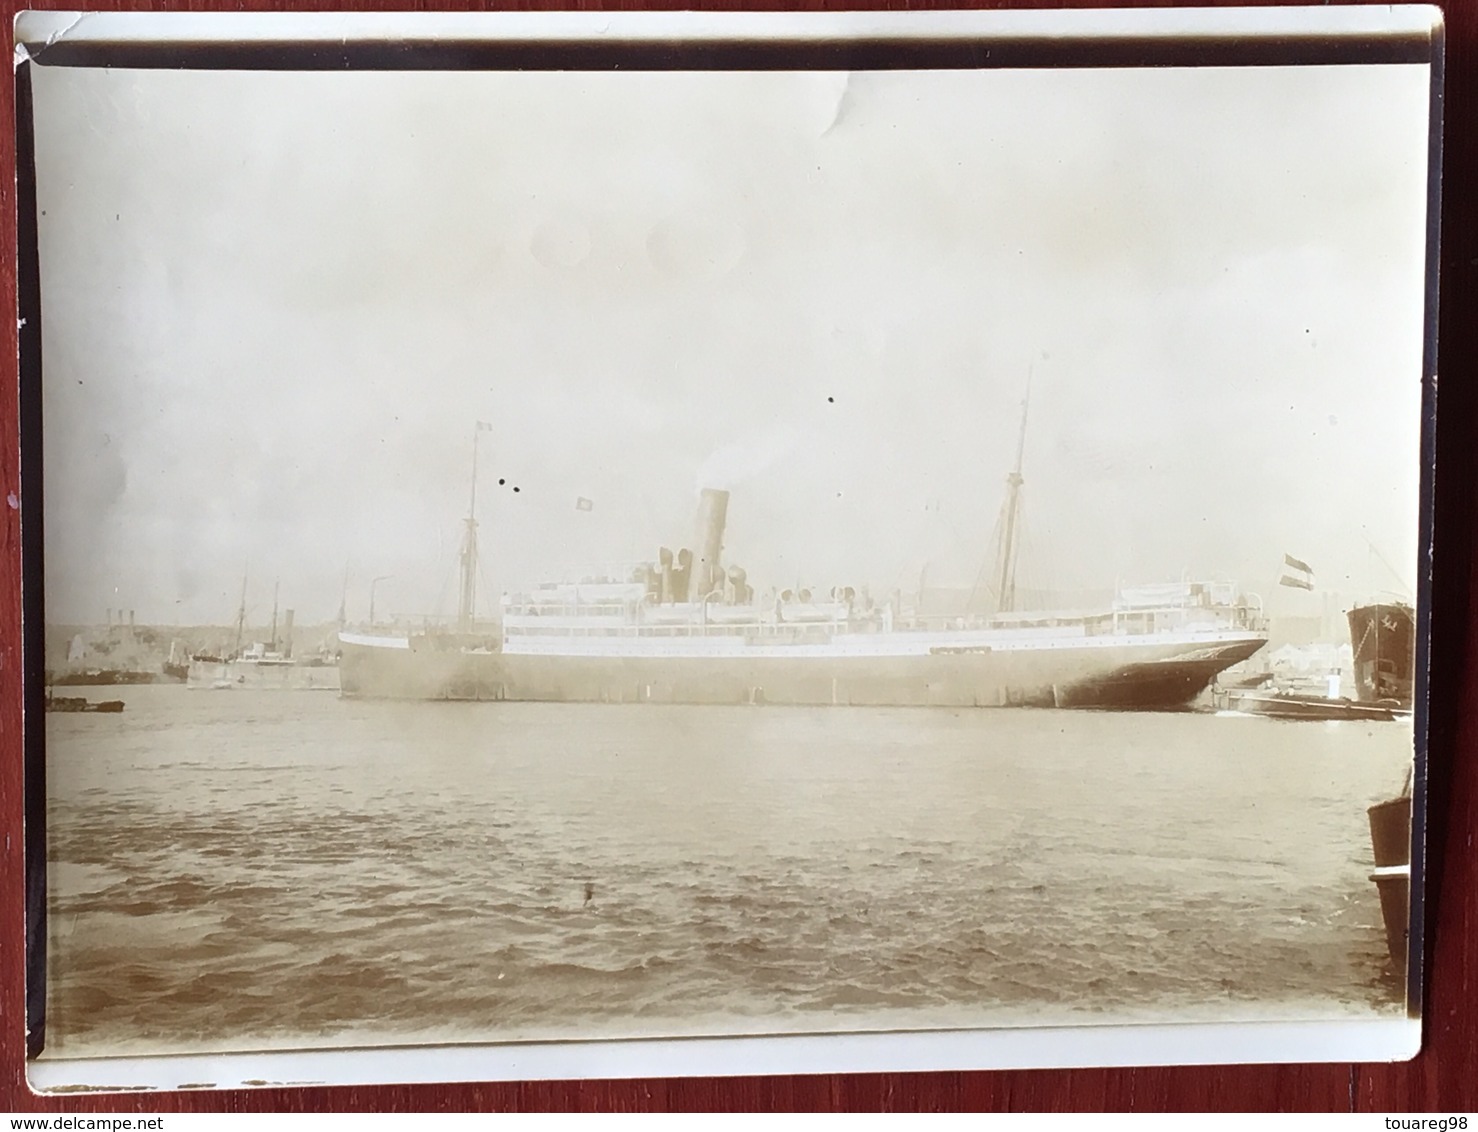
(583, 504)
(483, 426)
(1300, 575)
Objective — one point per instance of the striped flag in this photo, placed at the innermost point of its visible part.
(483, 426)
(583, 504)
(1298, 574)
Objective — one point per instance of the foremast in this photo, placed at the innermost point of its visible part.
(996, 578)
(1006, 581)
(467, 596)
(240, 619)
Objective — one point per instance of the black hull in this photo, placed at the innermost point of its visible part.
(68, 703)
(1384, 641)
(1141, 687)
(106, 677)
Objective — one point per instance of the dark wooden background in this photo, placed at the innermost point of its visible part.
(1444, 1078)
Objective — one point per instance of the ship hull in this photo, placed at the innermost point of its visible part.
(106, 677)
(1384, 641)
(223, 675)
(1149, 675)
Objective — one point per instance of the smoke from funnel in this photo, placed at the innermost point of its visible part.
(752, 455)
(713, 514)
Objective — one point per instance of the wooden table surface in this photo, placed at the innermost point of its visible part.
(1444, 1078)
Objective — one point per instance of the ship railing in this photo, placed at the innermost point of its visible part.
(421, 623)
(589, 574)
(1140, 622)
(818, 630)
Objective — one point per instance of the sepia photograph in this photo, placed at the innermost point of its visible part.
(728, 547)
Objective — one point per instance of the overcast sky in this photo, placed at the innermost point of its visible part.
(275, 305)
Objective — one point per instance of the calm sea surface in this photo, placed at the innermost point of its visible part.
(251, 869)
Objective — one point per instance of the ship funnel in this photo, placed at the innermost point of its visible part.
(713, 514)
(738, 591)
(287, 633)
(664, 572)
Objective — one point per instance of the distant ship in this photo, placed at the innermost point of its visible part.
(260, 667)
(683, 629)
(119, 655)
(269, 666)
(101, 677)
(177, 666)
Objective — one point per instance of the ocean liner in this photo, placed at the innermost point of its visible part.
(684, 628)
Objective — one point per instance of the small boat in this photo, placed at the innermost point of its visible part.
(78, 703)
(1390, 842)
(1284, 705)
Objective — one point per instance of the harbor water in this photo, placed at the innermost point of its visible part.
(253, 869)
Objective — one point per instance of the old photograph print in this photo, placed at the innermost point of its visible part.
(614, 554)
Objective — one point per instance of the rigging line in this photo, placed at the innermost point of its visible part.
(1021, 561)
(487, 588)
(1035, 582)
(984, 586)
(1007, 584)
(440, 606)
(1393, 571)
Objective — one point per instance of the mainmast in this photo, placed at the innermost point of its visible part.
(1006, 582)
(467, 601)
(241, 616)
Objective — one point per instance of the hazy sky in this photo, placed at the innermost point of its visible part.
(275, 304)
